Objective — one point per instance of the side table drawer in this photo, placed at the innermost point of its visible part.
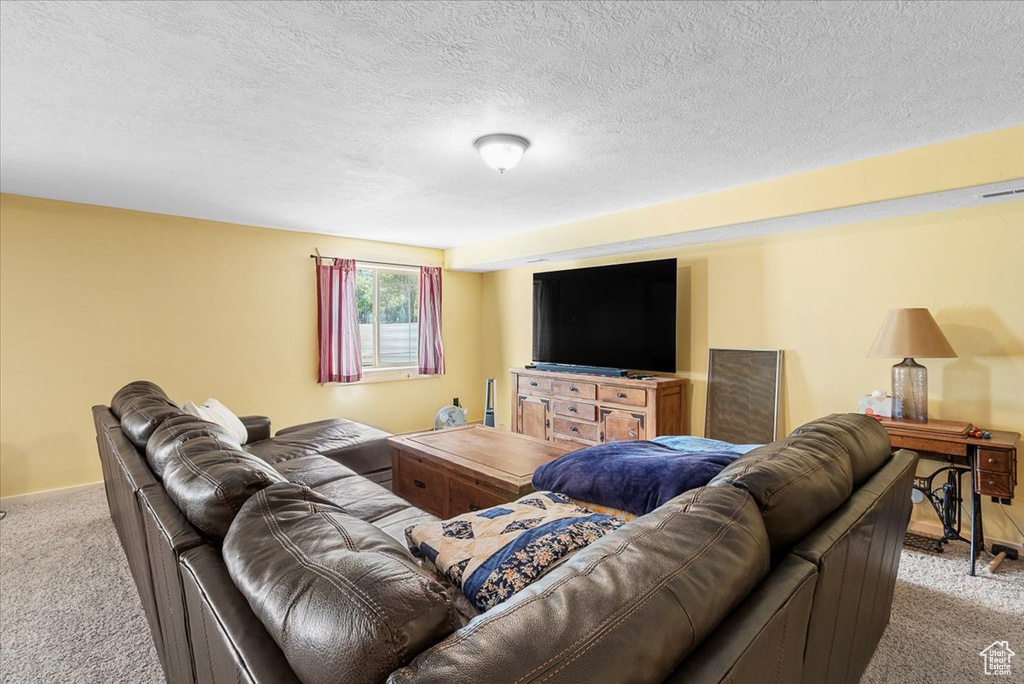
(420, 485)
(937, 446)
(995, 459)
(464, 497)
(990, 483)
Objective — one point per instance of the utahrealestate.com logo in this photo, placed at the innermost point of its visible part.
(997, 658)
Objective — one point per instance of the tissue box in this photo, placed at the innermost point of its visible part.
(875, 407)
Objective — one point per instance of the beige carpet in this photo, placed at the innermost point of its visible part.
(69, 611)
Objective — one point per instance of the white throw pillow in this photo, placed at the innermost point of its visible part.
(216, 412)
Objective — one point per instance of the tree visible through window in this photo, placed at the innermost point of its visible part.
(388, 302)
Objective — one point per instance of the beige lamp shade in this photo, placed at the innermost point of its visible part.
(911, 333)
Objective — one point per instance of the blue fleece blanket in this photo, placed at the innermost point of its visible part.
(634, 476)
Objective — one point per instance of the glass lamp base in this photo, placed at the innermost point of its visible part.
(910, 391)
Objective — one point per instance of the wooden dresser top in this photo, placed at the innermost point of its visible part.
(648, 381)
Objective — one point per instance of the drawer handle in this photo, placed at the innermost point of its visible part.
(574, 388)
(632, 433)
(572, 409)
(474, 507)
(419, 484)
(991, 460)
(621, 395)
(991, 483)
(574, 429)
(533, 383)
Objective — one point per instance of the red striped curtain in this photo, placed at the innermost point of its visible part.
(431, 351)
(337, 321)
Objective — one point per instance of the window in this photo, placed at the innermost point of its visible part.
(388, 300)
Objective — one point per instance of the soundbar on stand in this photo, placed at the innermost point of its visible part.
(585, 370)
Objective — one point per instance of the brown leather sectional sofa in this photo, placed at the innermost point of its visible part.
(279, 562)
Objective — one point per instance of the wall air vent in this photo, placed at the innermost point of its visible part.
(1003, 193)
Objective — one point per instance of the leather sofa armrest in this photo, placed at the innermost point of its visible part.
(258, 428)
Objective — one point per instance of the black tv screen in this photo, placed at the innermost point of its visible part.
(621, 316)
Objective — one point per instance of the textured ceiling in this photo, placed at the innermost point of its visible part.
(358, 118)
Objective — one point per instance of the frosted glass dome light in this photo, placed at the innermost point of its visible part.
(501, 150)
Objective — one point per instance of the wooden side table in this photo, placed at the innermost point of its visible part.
(990, 465)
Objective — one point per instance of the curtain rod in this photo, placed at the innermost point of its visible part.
(367, 261)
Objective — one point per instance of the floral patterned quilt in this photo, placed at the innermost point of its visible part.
(493, 553)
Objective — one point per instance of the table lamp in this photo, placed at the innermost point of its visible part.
(907, 333)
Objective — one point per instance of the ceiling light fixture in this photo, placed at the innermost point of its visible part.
(501, 150)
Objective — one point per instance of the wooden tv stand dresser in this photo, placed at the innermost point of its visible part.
(593, 409)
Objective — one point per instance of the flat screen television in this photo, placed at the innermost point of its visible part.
(621, 316)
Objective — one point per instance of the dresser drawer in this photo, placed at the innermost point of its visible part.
(994, 484)
(575, 429)
(630, 396)
(464, 497)
(533, 385)
(573, 409)
(573, 442)
(936, 446)
(420, 485)
(995, 459)
(577, 390)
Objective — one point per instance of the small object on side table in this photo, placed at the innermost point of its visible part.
(978, 433)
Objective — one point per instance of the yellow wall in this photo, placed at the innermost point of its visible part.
(821, 296)
(965, 162)
(92, 298)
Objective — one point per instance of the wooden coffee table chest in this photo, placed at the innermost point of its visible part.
(450, 472)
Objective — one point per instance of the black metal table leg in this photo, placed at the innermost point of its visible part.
(977, 538)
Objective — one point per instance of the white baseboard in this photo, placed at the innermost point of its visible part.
(48, 493)
(935, 530)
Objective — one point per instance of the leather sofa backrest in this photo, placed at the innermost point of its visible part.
(344, 601)
(209, 483)
(865, 440)
(796, 483)
(133, 390)
(142, 415)
(627, 608)
(179, 429)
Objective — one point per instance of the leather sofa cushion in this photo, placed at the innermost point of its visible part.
(133, 390)
(344, 601)
(313, 471)
(360, 447)
(796, 482)
(627, 608)
(209, 483)
(362, 499)
(178, 429)
(865, 440)
(141, 415)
